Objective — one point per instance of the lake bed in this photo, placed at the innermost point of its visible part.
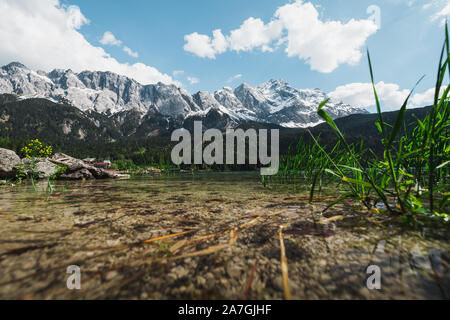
(208, 236)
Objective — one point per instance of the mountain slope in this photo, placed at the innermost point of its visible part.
(37, 117)
(111, 94)
(290, 107)
(63, 124)
(355, 128)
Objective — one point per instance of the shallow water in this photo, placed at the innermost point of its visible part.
(228, 246)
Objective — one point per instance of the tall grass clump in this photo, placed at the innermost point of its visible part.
(410, 176)
(413, 166)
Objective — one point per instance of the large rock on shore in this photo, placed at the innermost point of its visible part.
(44, 167)
(79, 174)
(78, 169)
(8, 160)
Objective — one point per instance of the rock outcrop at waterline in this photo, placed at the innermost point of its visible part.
(44, 167)
(78, 169)
(8, 161)
(48, 167)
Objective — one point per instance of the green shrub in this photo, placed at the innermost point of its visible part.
(36, 149)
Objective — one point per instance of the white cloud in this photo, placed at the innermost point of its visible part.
(253, 33)
(110, 39)
(44, 35)
(205, 47)
(324, 45)
(219, 43)
(76, 18)
(130, 52)
(235, 77)
(177, 73)
(193, 80)
(390, 95)
(424, 99)
(443, 14)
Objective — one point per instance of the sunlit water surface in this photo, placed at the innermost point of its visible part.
(212, 236)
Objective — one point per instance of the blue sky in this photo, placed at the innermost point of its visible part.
(404, 47)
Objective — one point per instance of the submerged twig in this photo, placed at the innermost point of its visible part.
(168, 236)
(284, 267)
(249, 281)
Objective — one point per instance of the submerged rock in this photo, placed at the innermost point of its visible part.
(8, 160)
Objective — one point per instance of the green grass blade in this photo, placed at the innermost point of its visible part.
(377, 101)
(339, 200)
(401, 115)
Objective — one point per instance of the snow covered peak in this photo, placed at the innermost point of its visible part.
(205, 100)
(236, 108)
(252, 98)
(273, 84)
(274, 101)
(14, 64)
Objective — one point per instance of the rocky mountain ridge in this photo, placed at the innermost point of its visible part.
(274, 101)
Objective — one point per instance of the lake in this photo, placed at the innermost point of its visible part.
(209, 236)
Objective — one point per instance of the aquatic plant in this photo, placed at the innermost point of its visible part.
(28, 170)
(410, 176)
(59, 171)
(49, 187)
(34, 151)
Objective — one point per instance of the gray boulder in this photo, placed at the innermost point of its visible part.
(79, 174)
(44, 167)
(8, 160)
(78, 169)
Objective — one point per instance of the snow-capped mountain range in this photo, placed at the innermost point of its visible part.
(274, 101)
